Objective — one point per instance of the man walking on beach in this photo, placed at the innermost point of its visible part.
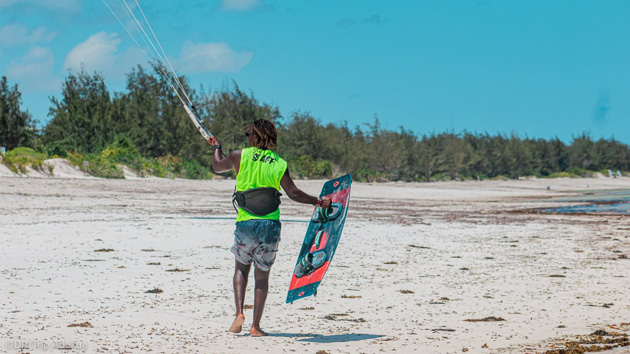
(260, 173)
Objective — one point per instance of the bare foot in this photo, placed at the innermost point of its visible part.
(237, 325)
(257, 332)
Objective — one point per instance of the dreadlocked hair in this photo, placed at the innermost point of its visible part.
(265, 134)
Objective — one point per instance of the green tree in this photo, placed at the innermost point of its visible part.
(227, 112)
(16, 126)
(81, 119)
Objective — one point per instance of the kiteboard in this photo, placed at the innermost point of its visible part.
(322, 236)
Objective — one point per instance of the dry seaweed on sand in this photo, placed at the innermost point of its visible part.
(485, 319)
(177, 270)
(83, 324)
(597, 341)
(334, 317)
(104, 250)
(421, 247)
(154, 291)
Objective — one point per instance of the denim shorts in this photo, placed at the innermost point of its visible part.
(256, 241)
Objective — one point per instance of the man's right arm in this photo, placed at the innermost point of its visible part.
(220, 164)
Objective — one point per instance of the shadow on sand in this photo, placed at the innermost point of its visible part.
(335, 338)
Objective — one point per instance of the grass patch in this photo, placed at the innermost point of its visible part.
(20, 159)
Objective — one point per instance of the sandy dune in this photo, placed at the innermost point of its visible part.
(415, 262)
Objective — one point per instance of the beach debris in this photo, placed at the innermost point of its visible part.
(464, 268)
(177, 270)
(486, 319)
(154, 291)
(604, 305)
(597, 341)
(391, 262)
(83, 324)
(443, 330)
(154, 263)
(104, 250)
(421, 247)
(406, 292)
(436, 302)
(322, 352)
(307, 308)
(464, 349)
(557, 276)
(351, 296)
(248, 307)
(121, 267)
(94, 260)
(334, 317)
(485, 345)
(148, 250)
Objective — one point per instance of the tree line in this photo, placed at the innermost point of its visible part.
(147, 120)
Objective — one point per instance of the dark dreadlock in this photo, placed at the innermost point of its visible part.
(265, 134)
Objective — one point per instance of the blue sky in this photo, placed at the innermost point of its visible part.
(537, 68)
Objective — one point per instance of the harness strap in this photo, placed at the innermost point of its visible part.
(257, 201)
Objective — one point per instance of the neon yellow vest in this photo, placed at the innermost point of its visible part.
(259, 168)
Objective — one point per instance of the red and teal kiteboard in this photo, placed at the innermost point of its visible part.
(320, 242)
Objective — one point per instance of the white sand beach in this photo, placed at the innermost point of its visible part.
(416, 261)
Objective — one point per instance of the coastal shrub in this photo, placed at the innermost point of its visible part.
(166, 166)
(580, 172)
(365, 174)
(306, 167)
(19, 159)
(55, 150)
(95, 165)
(122, 151)
(501, 178)
(100, 166)
(193, 170)
(560, 175)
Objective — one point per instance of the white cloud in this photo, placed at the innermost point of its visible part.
(100, 52)
(68, 6)
(17, 34)
(241, 5)
(208, 57)
(34, 71)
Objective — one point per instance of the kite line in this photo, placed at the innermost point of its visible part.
(158, 58)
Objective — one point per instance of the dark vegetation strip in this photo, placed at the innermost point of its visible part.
(146, 129)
